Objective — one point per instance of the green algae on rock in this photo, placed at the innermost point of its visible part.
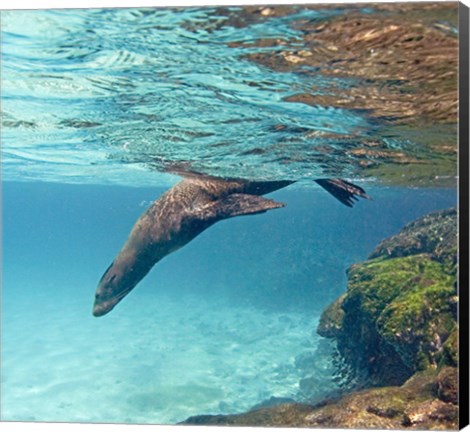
(399, 312)
(331, 319)
(387, 327)
(396, 329)
(450, 349)
(418, 321)
(434, 234)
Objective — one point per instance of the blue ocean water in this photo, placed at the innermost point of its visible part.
(94, 102)
(128, 88)
(219, 326)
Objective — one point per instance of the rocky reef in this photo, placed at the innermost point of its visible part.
(396, 333)
(401, 304)
(400, 307)
(415, 405)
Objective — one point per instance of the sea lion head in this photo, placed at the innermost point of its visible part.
(113, 286)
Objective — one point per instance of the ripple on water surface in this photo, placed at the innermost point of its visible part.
(124, 90)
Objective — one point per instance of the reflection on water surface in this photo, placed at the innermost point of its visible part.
(286, 92)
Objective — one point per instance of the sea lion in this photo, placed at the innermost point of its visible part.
(181, 214)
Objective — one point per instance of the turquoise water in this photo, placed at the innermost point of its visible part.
(92, 102)
(218, 327)
(93, 95)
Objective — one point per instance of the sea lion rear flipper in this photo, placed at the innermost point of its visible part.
(342, 190)
(238, 205)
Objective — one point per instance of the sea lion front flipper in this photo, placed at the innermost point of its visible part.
(342, 190)
(238, 205)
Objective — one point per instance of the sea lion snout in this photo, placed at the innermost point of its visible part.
(105, 300)
(100, 309)
(112, 288)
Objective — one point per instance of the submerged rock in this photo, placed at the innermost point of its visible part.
(292, 414)
(434, 234)
(399, 311)
(396, 331)
(450, 349)
(331, 319)
(273, 401)
(415, 405)
(447, 385)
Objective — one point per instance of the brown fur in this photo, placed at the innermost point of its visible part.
(180, 215)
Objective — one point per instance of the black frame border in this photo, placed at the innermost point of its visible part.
(464, 306)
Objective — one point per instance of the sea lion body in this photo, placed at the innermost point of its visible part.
(171, 222)
(180, 215)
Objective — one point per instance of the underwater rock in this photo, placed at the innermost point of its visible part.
(426, 414)
(292, 415)
(447, 385)
(331, 319)
(450, 349)
(273, 401)
(400, 306)
(434, 234)
(396, 331)
(413, 405)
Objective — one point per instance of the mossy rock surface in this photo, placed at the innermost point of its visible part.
(396, 330)
(419, 320)
(399, 313)
(434, 234)
(331, 319)
(450, 350)
(377, 283)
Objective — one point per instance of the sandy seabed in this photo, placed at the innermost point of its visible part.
(157, 362)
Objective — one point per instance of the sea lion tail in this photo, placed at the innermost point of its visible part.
(343, 190)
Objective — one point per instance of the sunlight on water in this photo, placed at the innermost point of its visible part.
(81, 95)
